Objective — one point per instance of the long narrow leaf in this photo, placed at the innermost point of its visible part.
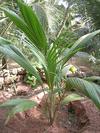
(17, 105)
(37, 53)
(33, 24)
(41, 14)
(12, 102)
(93, 78)
(79, 44)
(21, 107)
(29, 25)
(90, 89)
(18, 21)
(51, 64)
(14, 53)
(71, 97)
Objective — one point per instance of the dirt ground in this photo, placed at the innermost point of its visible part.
(35, 121)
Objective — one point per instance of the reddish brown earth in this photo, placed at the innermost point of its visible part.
(35, 121)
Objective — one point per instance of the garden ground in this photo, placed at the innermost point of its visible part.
(35, 120)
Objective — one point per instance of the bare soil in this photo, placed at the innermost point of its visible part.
(35, 120)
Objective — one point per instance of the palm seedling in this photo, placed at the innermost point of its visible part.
(51, 58)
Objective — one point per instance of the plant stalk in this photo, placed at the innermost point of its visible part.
(51, 107)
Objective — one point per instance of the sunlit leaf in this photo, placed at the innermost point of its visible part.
(71, 97)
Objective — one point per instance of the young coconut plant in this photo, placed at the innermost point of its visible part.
(51, 58)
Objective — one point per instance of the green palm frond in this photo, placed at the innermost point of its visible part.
(17, 105)
(89, 89)
(79, 44)
(71, 97)
(11, 51)
(33, 24)
(29, 24)
(52, 56)
(93, 78)
(41, 14)
(37, 53)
